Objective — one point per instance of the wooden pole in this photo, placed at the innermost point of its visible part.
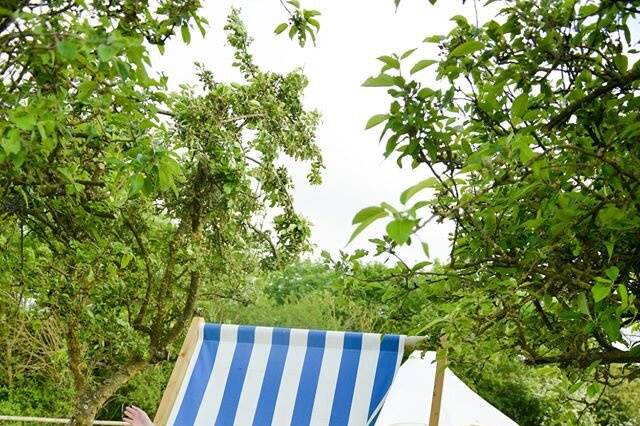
(54, 420)
(438, 384)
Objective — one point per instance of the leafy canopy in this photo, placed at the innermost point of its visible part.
(528, 140)
(121, 203)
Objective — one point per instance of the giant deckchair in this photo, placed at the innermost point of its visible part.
(263, 376)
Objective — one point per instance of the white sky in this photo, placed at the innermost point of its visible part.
(353, 34)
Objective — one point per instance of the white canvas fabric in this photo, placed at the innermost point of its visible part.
(408, 402)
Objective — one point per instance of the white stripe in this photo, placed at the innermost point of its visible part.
(212, 397)
(328, 377)
(292, 371)
(255, 375)
(364, 379)
(187, 378)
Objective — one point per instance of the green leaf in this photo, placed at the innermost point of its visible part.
(420, 65)
(432, 323)
(123, 69)
(582, 305)
(325, 255)
(460, 20)
(522, 142)
(367, 213)
(600, 291)
(186, 34)
(280, 28)
(136, 183)
(66, 173)
(165, 180)
(611, 326)
(408, 53)
(467, 48)
(383, 80)
(11, 142)
(375, 120)
(399, 230)
(366, 217)
(624, 295)
(168, 171)
(66, 49)
(426, 92)
(406, 195)
(612, 217)
(588, 10)
(24, 120)
(425, 249)
(622, 62)
(126, 258)
(520, 106)
(390, 61)
(593, 390)
(433, 39)
(315, 23)
(420, 265)
(612, 273)
(107, 52)
(574, 387)
(609, 245)
(388, 207)
(292, 31)
(199, 21)
(86, 88)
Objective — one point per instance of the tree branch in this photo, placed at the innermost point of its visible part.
(614, 356)
(566, 113)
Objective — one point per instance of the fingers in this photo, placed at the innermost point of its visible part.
(130, 415)
(142, 414)
(136, 416)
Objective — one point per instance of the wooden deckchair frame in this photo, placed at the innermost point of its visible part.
(189, 346)
(179, 370)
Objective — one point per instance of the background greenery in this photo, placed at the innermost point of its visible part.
(316, 295)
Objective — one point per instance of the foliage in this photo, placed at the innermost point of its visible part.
(336, 298)
(122, 203)
(528, 136)
(387, 298)
(297, 280)
(302, 23)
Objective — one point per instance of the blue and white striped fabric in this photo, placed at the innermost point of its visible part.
(263, 376)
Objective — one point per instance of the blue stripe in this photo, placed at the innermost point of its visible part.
(211, 332)
(385, 370)
(237, 374)
(200, 376)
(272, 377)
(343, 396)
(374, 419)
(309, 379)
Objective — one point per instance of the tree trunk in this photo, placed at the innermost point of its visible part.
(85, 412)
(89, 402)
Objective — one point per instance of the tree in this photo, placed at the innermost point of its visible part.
(529, 137)
(122, 203)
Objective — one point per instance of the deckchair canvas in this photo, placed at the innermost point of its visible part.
(263, 376)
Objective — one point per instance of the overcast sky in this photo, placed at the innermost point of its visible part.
(353, 34)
